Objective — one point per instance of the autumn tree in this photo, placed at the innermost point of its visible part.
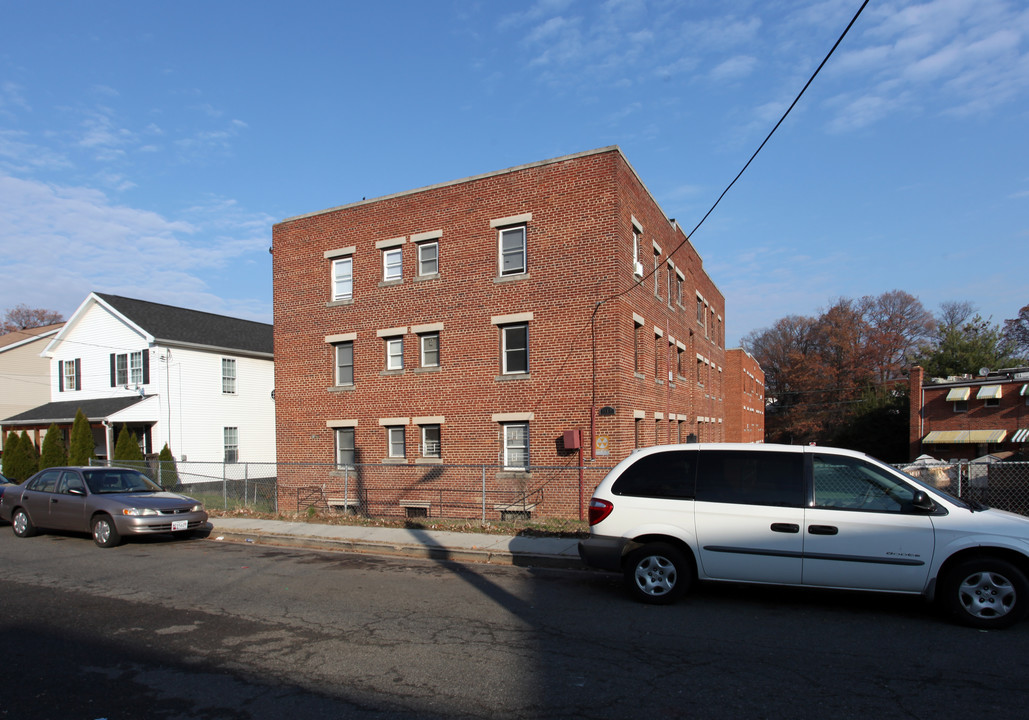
(898, 324)
(22, 316)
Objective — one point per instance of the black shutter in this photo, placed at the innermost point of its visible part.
(60, 376)
(146, 367)
(78, 373)
(114, 371)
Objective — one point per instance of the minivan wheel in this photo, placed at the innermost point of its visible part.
(22, 525)
(657, 573)
(986, 593)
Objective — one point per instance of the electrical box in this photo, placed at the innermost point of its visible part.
(572, 439)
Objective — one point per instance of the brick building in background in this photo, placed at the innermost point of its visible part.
(963, 418)
(744, 398)
(474, 322)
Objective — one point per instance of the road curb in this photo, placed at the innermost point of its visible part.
(416, 550)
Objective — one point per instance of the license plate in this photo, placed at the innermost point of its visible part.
(180, 524)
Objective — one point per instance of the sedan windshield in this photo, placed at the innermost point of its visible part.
(118, 480)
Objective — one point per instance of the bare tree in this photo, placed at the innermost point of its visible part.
(1016, 331)
(22, 317)
(898, 324)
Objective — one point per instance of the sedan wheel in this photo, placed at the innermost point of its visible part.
(986, 593)
(657, 573)
(22, 524)
(105, 534)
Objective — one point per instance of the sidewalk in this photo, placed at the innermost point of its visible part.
(432, 544)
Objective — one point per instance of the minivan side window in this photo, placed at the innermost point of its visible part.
(667, 474)
(847, 483)
(751, 478)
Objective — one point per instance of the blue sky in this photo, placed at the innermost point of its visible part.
(147, 148)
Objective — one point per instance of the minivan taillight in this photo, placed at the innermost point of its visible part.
(599, 509)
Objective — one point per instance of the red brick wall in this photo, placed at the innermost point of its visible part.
(579, 247)
(744, 398)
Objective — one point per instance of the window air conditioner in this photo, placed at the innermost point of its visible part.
(638, 268)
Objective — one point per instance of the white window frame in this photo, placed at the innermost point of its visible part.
(392, 264)
(345, 443)
(504, 350)
(343, 278)
(422, 260)
(512, 449)
(337, 348)
(395, 352)
(230, 440)
(431, 448)
(228, 376)
(521, 252)
(421, 342)
(396, 441)
(136, 368)
(71, 378)
(121, 369)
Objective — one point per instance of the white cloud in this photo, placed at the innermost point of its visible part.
(734, 68)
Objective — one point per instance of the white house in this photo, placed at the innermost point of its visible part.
(202, 383)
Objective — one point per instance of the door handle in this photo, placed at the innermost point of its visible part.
(785, 527)
(823, 529)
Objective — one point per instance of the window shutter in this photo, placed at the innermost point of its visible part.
(60, 376)
(146, 367)
(78, 373)
(113, 371)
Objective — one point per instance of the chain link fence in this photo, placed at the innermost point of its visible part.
(485, 492)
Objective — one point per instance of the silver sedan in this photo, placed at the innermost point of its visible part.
(107, 502)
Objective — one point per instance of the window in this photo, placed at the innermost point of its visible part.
(430, 349)
(669, 274)
(961, 406)
(395, 442)
(680, 353)
(637, 433)
(345, 363)
(661, 475)
(345, 451)
(515, 348)
(849, 484)
(751, 478)
(392, 264)
(516, 446)
(637, 350)
(678, 289)
(657, 273)
(228, 376)
(136, 368)
(700, 310)
(343, 279)
(637, 266)
(430, 441)
(428, 258)
(512, 251)
(121, 369)
(395, 353)
(231, 440)
(69, 374)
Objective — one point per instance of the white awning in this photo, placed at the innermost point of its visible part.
(958, 394)
(988, 392)
(1020, 436)
(955, 437)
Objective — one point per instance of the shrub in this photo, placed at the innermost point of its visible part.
(81, 451)
(54, 454)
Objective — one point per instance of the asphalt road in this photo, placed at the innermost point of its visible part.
(202, 629)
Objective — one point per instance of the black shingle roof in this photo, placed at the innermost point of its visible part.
(174, 324)
(64, 411)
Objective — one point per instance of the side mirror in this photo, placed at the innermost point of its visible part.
(922, 503)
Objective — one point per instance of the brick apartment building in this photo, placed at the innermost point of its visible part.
(963, 418)
(744, 398)
(474, 322)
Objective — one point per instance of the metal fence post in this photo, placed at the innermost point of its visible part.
(483, 494)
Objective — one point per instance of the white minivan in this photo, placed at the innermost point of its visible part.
(806, 516)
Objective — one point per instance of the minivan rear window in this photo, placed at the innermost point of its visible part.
(751, 477)
(667, 474)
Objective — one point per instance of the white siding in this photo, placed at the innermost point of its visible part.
(191, 411)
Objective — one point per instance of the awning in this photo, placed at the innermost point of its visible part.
(956, 437)
(958, 394)
(1020, 436)
(1025, 390)
(988, 392)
